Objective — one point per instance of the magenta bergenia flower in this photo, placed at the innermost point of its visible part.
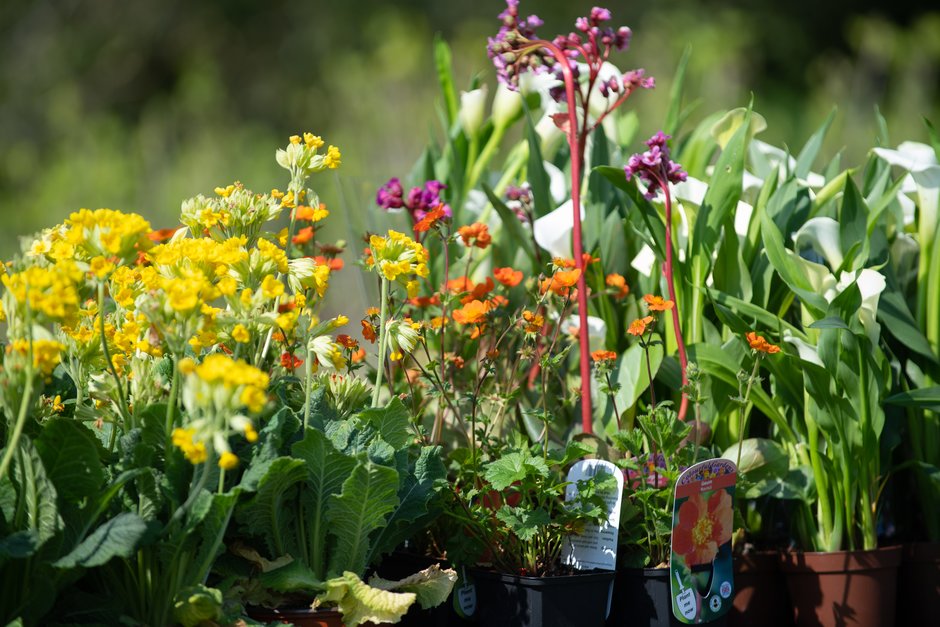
(654, 167)
(419, 201)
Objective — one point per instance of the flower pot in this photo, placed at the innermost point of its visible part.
(643, 598)
(843, 588)
(919, 584)
(401, 564)
(760, 591)
(516, 601)
(299, 616)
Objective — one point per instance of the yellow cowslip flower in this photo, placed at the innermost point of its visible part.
(46, 353)
(253, 398)
(287, 320)
(224, 192)
(271, 288)
(402, 336)
(246, 297)
(57, 405)
(101, 267)
(304, 274)
(240, 334)
(105, 232)
(227, 285)
(250, 434)
(183, 294)
(328, 353)
(270, 252)
(332, 158)
(398, 258)
(124, 286)
(50, 291)
(312, 141)
(228, 460)
(195, 451)
(202, 340)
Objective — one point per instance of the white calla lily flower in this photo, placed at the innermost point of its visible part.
(507, 106)
(472, 105)
(597, 330)
(920, 161)
(806, 350)
(823, 234)
(553, 231)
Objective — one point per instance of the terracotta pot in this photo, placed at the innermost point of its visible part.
(300, 617)
(919, 584)
(760, 591)
(643, 598)
(843, 588)
(515, 601)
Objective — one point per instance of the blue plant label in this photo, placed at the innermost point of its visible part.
(596, 546)
(700, 567)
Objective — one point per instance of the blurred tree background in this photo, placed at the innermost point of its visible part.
(138, 105)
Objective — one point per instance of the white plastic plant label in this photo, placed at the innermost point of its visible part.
(465, 596)
(597, 546)
(700, 568)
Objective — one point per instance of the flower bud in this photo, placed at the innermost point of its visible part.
(472, 104)
(507, 106)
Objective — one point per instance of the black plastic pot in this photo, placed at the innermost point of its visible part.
(642, 598)
(513, 601)
(401, 564)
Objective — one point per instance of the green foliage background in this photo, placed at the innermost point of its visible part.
(137, 105)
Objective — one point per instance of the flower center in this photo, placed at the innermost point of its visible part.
(702, 531)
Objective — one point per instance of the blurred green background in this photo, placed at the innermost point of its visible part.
(138, 105)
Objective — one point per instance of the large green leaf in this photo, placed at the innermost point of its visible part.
(923, 398)
(119, 537)
(271, 513)
(512, 467)
(295, 576)
(445, 78)
(673, 112)
(522, 521)
(359, 602)
(368, 496)
(273, 438)
(69, 452)
(326, 470)
(36, 492)
(535, 172)
(791, 273)
(197, 605)
(804, 162)
(414, 497)
(392, 422)
(432, 585)
(648, 213)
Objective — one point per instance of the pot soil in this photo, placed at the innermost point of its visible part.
(516, 601)
(843, 588)
(760, 591)
(300, 617)
(642, 598)
(919, 584)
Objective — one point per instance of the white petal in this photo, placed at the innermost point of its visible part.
(557, 182)
(912, 156)
(644, 261)
(597, 330)
(553, 231)
(742, 218)
(807, 351)
(823, 235)
(691, 190)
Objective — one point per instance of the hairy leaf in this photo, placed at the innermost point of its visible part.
(359, 602)
(119, 537)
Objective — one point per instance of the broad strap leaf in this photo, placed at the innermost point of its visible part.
(119, 537)
(270, 514)
(69, 452)
(369, 495)
(36, 491)
(360, 602)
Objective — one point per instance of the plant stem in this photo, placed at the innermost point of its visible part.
(122, 407)
(174, 395)
(743, 410)
(670, 285)
(308, 381)
(382, 339)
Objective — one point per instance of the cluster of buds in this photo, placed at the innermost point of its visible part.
(654, 166)
(519, 199)
(420, 200)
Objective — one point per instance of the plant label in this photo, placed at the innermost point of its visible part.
(465, 597)
(700, 563)
(596, 547)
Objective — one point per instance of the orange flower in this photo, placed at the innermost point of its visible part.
(425, 301)
(656, 303)
(161, 235)
(492, 354)
(334, 263)
(430, 219)
(476, 234)
(460, 284)
(359, 355)
(303, 212)
(303, 236)
(508, 276)
(473, 312)
(497, 301)
(290, 361)
(478, 291)
(372, 311)
(437, 322)
(368, 331)
(586, 260)
(638, 326)
(567, 278)
(603, 355)
(457, 360)
(347, 341)
(619, 283)
(760, 345)
(534, 322)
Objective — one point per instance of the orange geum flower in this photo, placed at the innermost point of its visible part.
(372, 311)
(303, 212)
(476, 234)
(638, 326)
(603, 355)
(161, 235)
(303, 236)
(358, 355)
(534, 322)
(761, 345)
(425, 301)
(656, 303)
(333, 263)
(478, 291)
(460, 284)
(619, 283)
(347, 342)
(508, 276)
(368, 331)
(473, 312)
(430, 219)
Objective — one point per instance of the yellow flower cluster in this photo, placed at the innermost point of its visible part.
(235, 211)
(303, 154)
(50, 291)
(100, 233)
(211, 257)
(193, 449)
(46, 353)
(397, 257)
(226, 383)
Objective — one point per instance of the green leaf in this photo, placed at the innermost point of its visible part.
(535, 172)
(511, 223)
(326, 470)
(523, 522)
(273, 438)
(804, 162)
(431, 586)
(369, 495)
(270, 513)
(417, 492)
(197, 605)
(119, 537)
(787, 268)
(18, 545)
(630, 372)
(649, 214)
(898, 321)
(69, 452)
(295, 576)
(445, 77)
(512, 467)
(830, 322)
(36, 492)
(671, 124)
(923, 398)
(359, 602)
(853, 226)
(392, 422)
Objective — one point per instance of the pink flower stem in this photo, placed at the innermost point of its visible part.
(667, 272)
(576, 147)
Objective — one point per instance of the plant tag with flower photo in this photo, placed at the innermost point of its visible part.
(596, 546)
(700, 568)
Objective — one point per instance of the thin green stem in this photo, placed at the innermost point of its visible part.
(380, 366)
(308, 382)
(743, 410)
